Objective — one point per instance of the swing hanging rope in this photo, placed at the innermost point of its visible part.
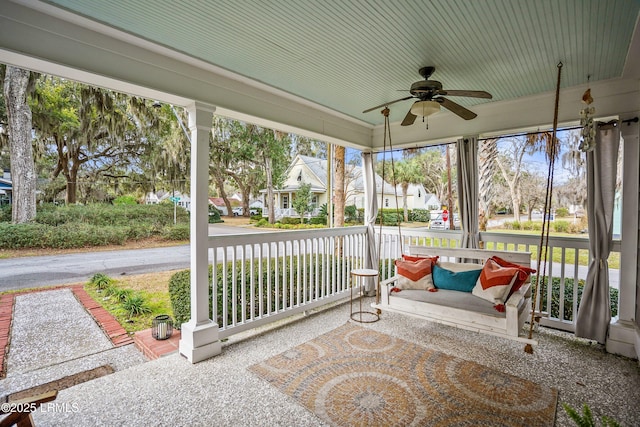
(551, 150)
(387, 134)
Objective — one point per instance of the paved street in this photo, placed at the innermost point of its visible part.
(29, 272)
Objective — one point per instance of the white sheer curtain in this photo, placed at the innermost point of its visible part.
(467, 149)
(370, 213)
(594, 313)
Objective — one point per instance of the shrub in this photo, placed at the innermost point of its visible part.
(531, 225)
(83, 235)
(135, 305)
(568, 297)
(180, 295)
(351, 213)
(576, 228)
(16, 236)
(214, 215)
(420, 215)
(140, 231)
(125, 200)
(318, 220)
(5, 213)
(100, 281)
(561, 226)
(290, 220)
(103, 214)
(176, 232)
(562, 212)
(389, 217)
(262, 223)
(512, 225)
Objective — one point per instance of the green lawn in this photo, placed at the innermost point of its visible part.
(152, 287)
(583, 254)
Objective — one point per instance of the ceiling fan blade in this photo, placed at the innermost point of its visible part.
(468, 93)
(457, 109)
(408, 119)
(386, 104)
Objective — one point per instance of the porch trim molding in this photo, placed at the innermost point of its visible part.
(199, 339)
(624, 334)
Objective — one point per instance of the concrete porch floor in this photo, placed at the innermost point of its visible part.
(220, 391)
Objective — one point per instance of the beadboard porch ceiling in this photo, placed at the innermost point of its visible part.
(313, 67)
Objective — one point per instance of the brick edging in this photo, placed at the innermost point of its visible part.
(6, 318)
(102, 317)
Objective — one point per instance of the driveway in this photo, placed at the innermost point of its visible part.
(50, 270)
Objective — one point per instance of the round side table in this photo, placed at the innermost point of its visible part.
(357, 277)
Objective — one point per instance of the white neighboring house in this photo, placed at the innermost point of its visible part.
(6, 188)
(184, 201)
(311, 170)
(151, 199)
(218, 202)
(418, 198)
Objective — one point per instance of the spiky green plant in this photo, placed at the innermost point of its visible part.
(135, 305)
(101, 281)
(586, 418)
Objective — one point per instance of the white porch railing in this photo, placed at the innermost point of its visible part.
(260, 278)
(564, 271)
(273, 275)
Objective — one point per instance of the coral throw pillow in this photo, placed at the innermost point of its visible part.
(415, 274)
(495, 283)
(434, 259)
(523, 276)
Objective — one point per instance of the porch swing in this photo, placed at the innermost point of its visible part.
(420, 289)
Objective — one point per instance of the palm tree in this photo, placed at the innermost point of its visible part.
(487, 154)
(403, 173)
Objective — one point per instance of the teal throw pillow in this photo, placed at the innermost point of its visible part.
(463, 281)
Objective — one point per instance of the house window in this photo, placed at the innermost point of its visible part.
(386, 203)
(419, 194)
(300, 176)
(285, 202)
(314, 201)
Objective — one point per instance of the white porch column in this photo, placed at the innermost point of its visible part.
(199, 339)
(624, 335)
(371, 255)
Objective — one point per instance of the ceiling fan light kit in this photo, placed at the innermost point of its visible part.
(425, 108)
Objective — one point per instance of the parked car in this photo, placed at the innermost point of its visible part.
(239, 211)
(439, 224)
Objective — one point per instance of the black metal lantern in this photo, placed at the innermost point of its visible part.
(162, 327)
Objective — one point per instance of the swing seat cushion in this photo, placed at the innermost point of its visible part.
(415, 274)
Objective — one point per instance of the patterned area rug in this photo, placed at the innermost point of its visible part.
(353, 376)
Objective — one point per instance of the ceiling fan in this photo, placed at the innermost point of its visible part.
(430, 97)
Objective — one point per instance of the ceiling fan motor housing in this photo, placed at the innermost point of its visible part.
(425, 89)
